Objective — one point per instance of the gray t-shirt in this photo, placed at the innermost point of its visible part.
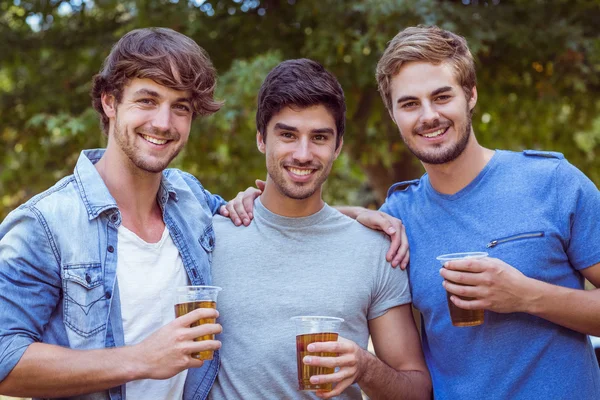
(279, 267)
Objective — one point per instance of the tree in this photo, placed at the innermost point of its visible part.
(538, 78)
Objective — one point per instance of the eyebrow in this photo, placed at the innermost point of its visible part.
(152, 93)
(284, 127)
(434, 93)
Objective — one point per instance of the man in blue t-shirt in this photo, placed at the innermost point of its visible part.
(532, 211)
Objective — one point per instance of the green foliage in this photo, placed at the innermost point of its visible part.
(538, 81)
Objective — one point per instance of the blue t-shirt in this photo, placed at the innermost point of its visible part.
(536, 212)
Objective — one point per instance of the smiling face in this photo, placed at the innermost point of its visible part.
(300, 149)
(150, 125)
(432, 111)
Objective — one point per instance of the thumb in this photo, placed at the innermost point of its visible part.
(260, 184)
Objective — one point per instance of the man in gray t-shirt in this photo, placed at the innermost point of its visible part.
(301, 257)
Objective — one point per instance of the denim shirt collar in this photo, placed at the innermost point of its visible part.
(95, 194)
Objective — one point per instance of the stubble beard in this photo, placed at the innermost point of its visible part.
(442, 156)
(298, 191)
(132, 152)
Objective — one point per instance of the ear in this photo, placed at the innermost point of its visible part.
(109, 105)
(339, 149)
(473, 99)
(260, 142)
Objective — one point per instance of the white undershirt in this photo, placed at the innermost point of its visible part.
(147, 274)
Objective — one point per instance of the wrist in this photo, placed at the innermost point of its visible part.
(533, 301)
(134, 365)
(364, 360)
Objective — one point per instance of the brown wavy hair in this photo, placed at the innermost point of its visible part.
(167, 57)
(429, 44)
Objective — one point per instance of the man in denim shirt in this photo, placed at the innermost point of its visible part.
(66, 328)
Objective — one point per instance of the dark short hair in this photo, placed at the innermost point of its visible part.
(300, 83)
(167, 57)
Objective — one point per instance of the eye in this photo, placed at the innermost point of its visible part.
(320, 138)
(443, 97)
(146, 102)
(182, 107)
(409, 104)
(287, 135)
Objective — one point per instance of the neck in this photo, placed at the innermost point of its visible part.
(280, 204)
(453, 176)
(134, 190)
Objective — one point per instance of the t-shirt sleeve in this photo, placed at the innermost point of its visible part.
(385, 207)
(579, 203)
(390, 285)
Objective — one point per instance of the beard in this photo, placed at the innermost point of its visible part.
(441, 154)
(298, 190)
(144, 162)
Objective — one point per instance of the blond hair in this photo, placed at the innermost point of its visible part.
(429, 44)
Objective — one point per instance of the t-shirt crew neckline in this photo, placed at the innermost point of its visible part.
(471, 186)
(291, 222)
(132, 237)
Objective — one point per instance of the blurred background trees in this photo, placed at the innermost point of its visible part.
(538, 68)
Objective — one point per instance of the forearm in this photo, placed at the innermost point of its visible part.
(576, 309)
(53, 371)
(350, 211)
(380, 381)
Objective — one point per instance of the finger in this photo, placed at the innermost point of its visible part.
(233, 215)
(336, 377)
(469, 304)
(196, 315)
(248, 201)
(337, 390)
(202, 345)
(461, 290)
(401, 254)
(327, 347)
(223, 211)
(392, 253)
(405, 260)
(195, 363)
(347, 360)
(462, 278)
(467, 265)
(240, 209)
(260, 184)
(207, 329)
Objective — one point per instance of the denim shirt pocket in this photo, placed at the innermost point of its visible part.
(208, 241)
(85, 308)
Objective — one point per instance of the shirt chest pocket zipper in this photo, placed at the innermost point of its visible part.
(520, 236)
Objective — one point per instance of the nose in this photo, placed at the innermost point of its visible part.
(302, 152)
(162, 118)
(428, 113)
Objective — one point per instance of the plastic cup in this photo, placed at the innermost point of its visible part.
(460, 316)
(310, 329)
(189, 298)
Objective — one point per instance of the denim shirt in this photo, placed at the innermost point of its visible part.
(58, 260)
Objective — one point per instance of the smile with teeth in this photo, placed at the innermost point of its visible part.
(154, 140)
(301, 172)
(434, 133)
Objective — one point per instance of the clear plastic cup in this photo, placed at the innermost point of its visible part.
(460, 316)
(310, 329)
(189, 298)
